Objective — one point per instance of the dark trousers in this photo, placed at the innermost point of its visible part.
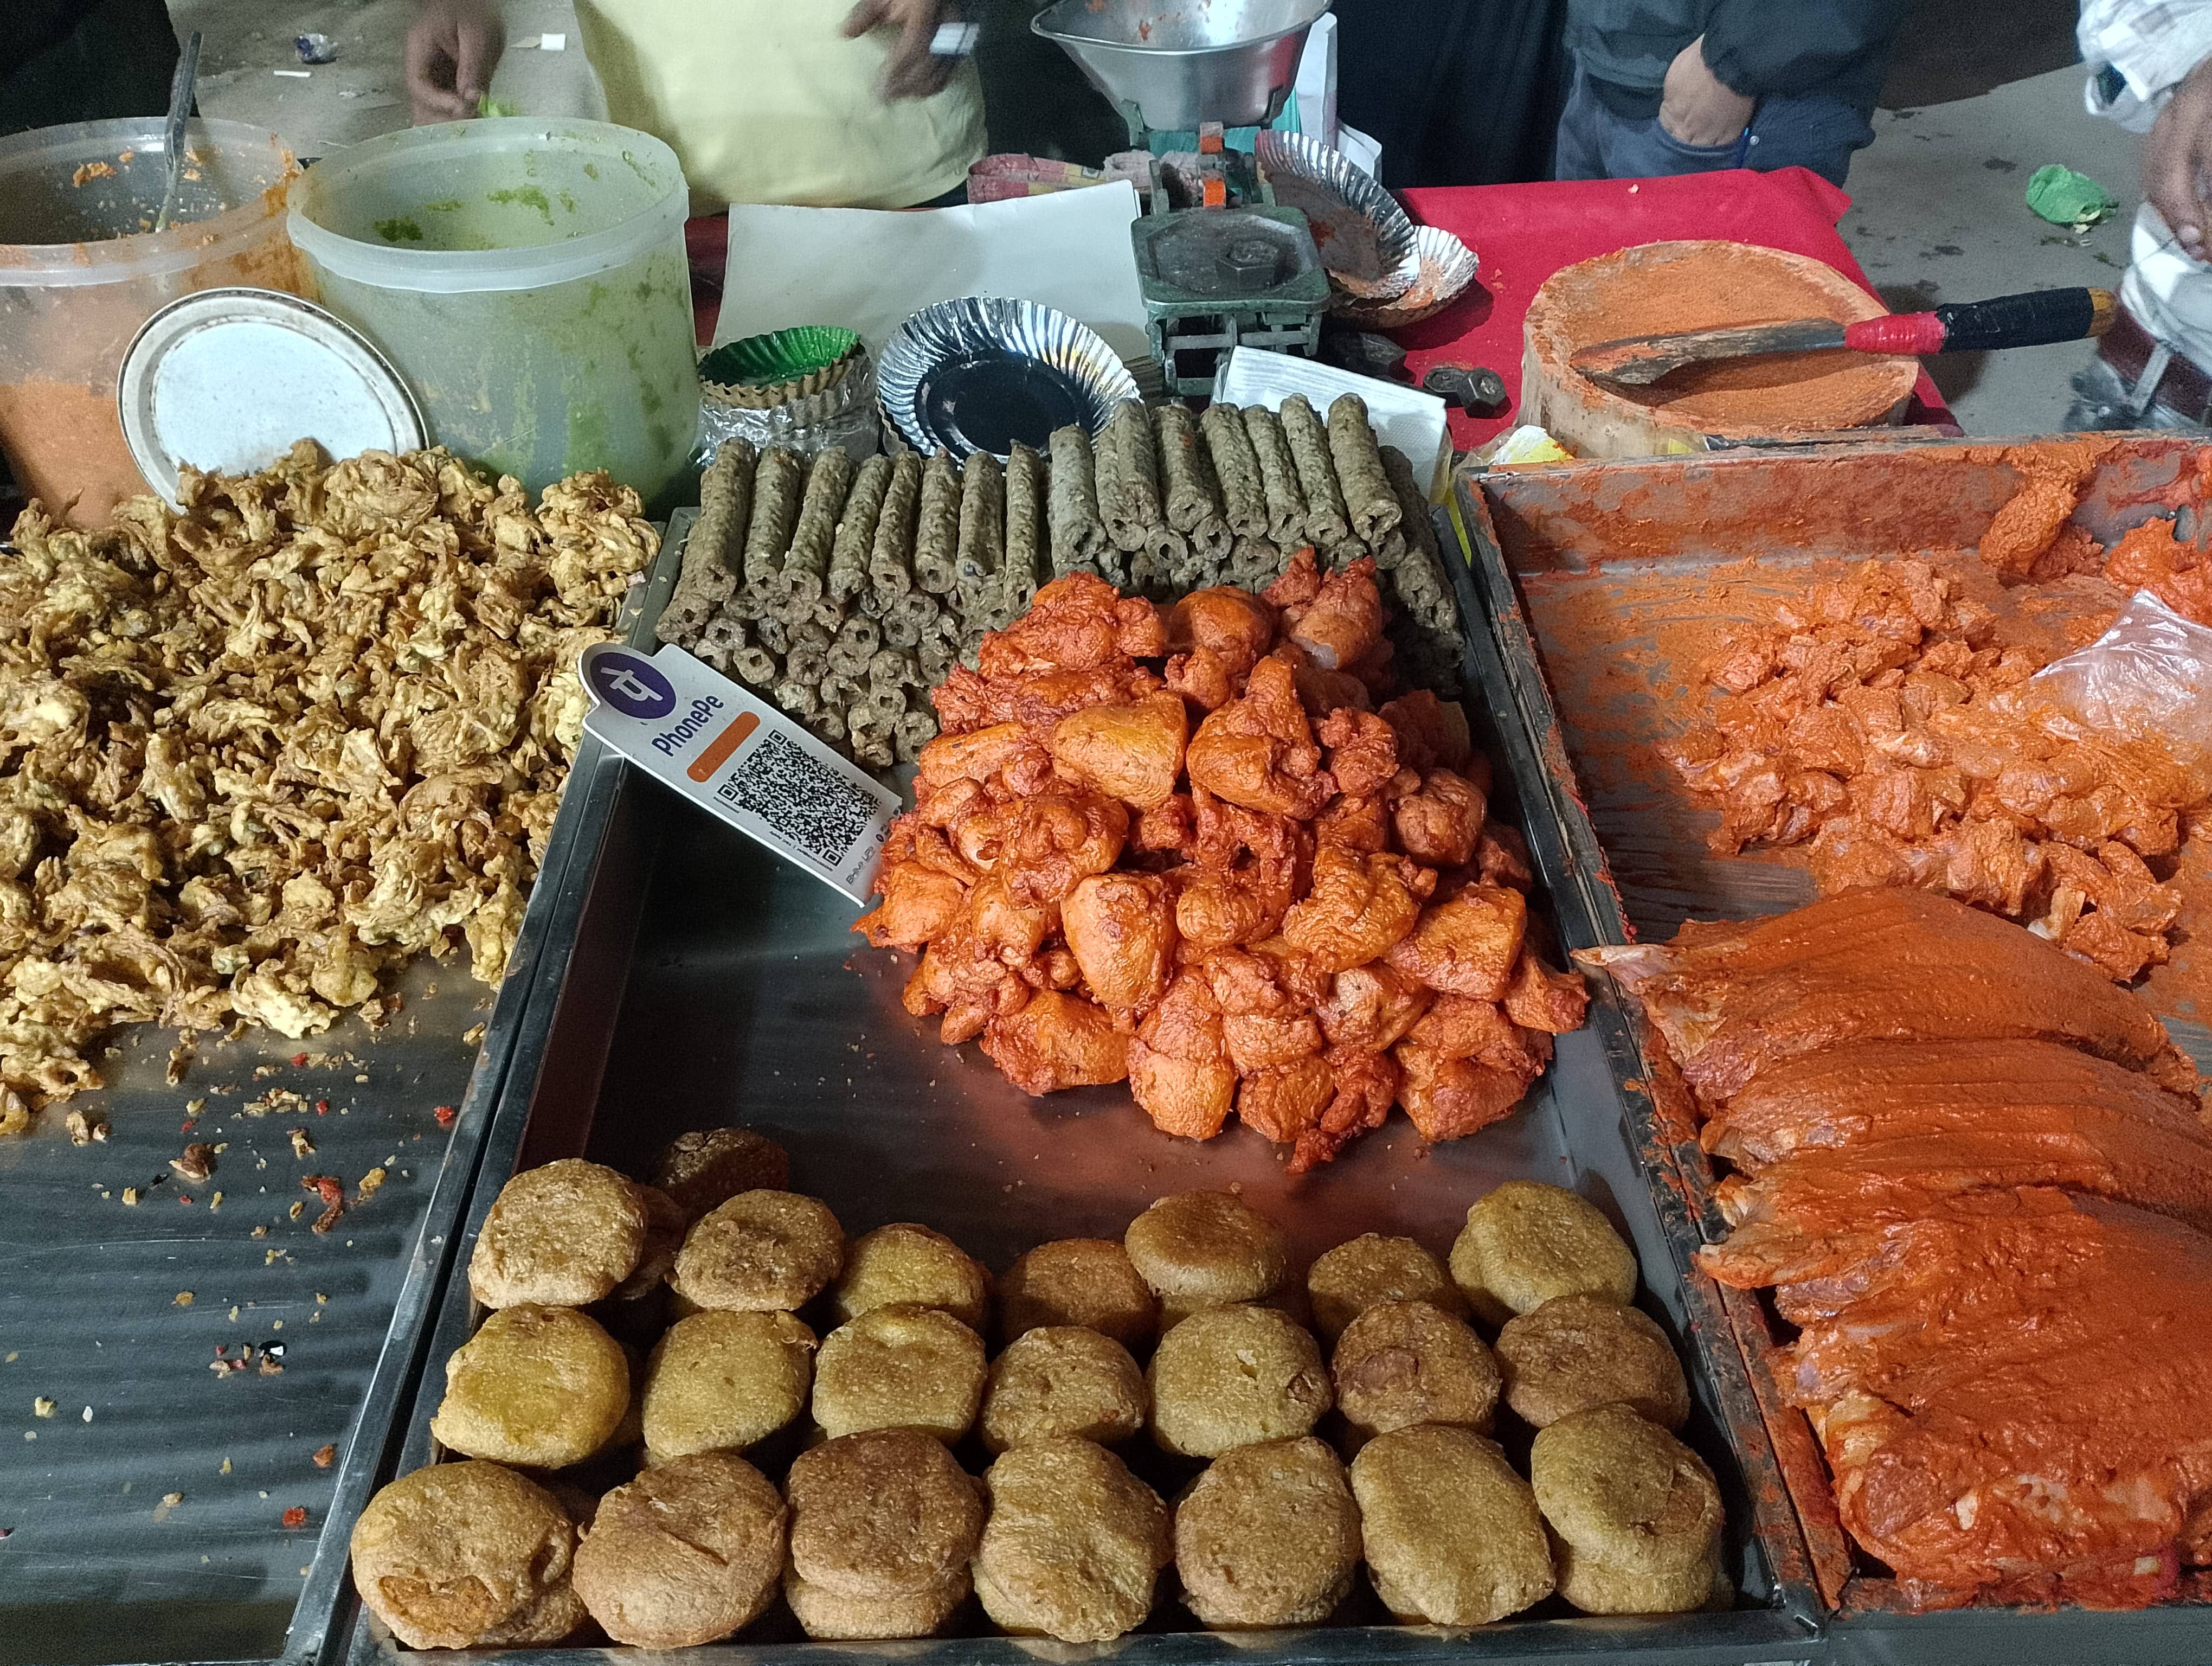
(1787, 131)
(1460, 92)
(116, 60)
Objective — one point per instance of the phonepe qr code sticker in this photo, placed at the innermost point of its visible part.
(692, 727)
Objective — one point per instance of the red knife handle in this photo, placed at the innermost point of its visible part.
(2034, 319)
(1900, 332)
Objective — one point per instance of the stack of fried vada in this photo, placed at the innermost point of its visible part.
(665, 1495)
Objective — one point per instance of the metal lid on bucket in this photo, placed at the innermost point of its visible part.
(227, 381)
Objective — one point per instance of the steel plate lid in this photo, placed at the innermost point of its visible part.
(227, 380)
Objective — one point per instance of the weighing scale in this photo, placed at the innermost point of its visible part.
(1219, 263)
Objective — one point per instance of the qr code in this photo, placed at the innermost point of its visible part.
(802, 798)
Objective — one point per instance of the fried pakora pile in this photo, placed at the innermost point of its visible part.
(1877, 719)
(257, 754)
(1190, 850)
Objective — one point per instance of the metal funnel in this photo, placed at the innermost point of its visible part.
(1174, 64)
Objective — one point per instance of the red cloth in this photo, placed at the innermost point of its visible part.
(1525, 233)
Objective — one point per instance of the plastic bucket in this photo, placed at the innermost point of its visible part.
(81, 269)
(529, 279)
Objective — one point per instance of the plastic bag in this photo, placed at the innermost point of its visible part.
(2149, 677)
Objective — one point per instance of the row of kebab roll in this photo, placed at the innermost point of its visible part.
(844, 592)
(1977, 1176)
(591, 1486)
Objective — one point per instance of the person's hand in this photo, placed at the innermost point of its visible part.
(2177, 159)
(912, 71)
(1697, 107)
(451, 53)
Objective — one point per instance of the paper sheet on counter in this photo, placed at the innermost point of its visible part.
(869, 269)
(1402, 417)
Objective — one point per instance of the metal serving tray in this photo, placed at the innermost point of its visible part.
(705, 983)
(96, 1565)
(1605, 585)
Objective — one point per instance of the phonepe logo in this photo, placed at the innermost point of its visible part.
(630, 684)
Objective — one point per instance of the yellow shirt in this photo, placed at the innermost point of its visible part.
(765, 101)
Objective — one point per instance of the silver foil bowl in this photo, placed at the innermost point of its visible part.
(842, 414)
(1230, 61)
(1449, 268)
(1365, 240)
(979, 374)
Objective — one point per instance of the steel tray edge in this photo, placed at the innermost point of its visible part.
(326, 1597)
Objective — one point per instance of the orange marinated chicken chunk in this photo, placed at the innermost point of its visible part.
(1359, 906)
(1132, 752)
(1299, 913)
(1055, 1041)
(1442, 822)
(1258, 751)
(1467, 945)
(1120, 929)
(1344, 622)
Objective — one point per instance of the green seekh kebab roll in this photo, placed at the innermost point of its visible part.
(1370, 502)
(856, 531)
(714, 549)
(890, 556)
(1278, 478)
(1025, 493)
(1128, 477)
(937, 528)
(1235, 470)
(1326, 524)
(1078, 536)
(806, 571)
(778, 480)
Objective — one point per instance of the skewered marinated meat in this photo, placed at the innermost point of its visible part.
(1891, 1124)
(1898, 964)
(1247, 920)
(2010, 1372)
(2014, 1389)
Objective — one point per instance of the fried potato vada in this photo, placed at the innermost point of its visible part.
(540, 1387)
(763, 1251)
(905, 1263)
(689, 1551)
(458, 1555)
(1596, 1586)
(704, 1169)
(1624, 1491)
(1369, 1270)
(899, 1367)
(1089, 1282)
(883, 1514)
(1206, 1250)
(1525, 1243)
(560, 1235)
(1267, 1535)
(1073, 1544)
(1063, 1380)
(1451, 1534)
(1578, 1352)
(830, 1617)
(1403, 1363)
(724, 1381)
(1230, 1376)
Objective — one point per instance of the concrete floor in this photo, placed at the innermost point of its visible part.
(1938, 215)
